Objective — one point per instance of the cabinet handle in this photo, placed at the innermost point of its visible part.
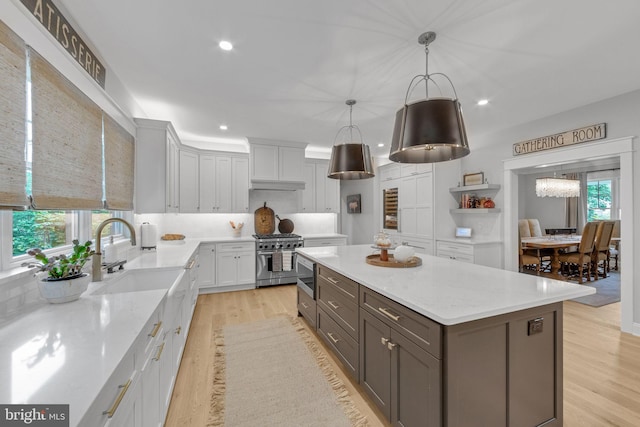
(398, 217)
(304, 305)
(332, 280)
(190, 266)
(160, 350)
(178, 330)
(384, 341)
(330, 335)
(390, 345)
(387, 313)
(333, 305)
(109, 413)
(155, 330)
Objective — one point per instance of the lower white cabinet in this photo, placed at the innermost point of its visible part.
(324, 241)
(235, 264)
(481, 253)
(207, 270)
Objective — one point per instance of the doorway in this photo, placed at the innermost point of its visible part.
(621, 148)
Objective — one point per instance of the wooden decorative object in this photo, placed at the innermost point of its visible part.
(376, 260)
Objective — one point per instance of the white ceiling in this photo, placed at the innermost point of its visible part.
(295, 62)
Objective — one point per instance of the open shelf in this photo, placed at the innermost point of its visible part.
(478, 187)
(475, 211)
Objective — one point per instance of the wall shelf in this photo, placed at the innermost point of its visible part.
(475, 211)
(479, 187)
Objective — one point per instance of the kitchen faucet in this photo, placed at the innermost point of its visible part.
(97, 256)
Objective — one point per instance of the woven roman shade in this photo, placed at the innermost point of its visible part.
(67, 142)
(118, 161)
(13, 77)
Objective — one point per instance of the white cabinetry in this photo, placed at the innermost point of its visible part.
(271, 162)
(235, 264)
(239, 184)
(324, 241)
(389, 171)
(189, 194)
(216, 183)
(321, 194)
(482, 253)
(157, 167)
(207, 271)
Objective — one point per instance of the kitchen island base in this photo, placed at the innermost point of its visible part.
(504, 370)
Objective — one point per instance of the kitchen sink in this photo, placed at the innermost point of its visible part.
(138, 280)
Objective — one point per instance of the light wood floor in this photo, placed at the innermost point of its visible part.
(601, 365)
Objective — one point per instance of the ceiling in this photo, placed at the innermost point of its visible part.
(294, 62)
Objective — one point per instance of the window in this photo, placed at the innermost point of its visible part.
(42, 229)
(599, 200)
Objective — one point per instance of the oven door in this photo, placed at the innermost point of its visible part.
(265, 274)
(306, 276)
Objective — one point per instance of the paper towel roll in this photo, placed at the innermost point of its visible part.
(148, 235)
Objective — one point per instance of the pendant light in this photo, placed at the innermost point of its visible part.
(430, 130)
(350, 160)
(557, 187)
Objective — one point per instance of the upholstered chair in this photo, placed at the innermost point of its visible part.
(583, 256)
(601, 247)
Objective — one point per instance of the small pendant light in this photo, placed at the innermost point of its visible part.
(431, 130)
(350, 160)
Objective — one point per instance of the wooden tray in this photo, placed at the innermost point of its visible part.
(375, 260)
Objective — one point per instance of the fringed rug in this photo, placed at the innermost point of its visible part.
(272, 373)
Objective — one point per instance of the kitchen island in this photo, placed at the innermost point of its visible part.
(445, 343)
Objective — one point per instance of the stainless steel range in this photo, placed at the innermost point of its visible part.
(276, 258)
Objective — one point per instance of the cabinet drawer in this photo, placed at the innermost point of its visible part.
(236, 247)
(339, 306)
(424, 332)
(343, 346)
(456, 256)
(307, 307)
(454, 247)
(347, 286)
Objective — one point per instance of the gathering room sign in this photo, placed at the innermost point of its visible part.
(564, 139)
(50, 17)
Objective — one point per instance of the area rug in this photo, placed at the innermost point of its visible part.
(607, 291)
(271, 373)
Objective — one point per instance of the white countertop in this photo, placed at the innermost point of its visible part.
(469, 241)
(324, 236)
(447, 291)
(64, 353)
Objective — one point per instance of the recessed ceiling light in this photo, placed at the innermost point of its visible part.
(483, 102)
(381, 145)
(223, 127)
(225, 45)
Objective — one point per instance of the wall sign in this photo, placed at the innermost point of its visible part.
(564, 139)
(50, 17)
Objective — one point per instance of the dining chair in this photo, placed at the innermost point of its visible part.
(531, 228)
(614, 247)
(601, 247)
(526, 260)
(582, 257)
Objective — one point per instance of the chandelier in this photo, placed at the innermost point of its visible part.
(430, 130)
(557, 187)
(350, 160)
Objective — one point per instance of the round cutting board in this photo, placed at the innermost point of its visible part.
(264, 220)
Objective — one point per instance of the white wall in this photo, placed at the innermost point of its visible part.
(550, 211)
(621, 116)
(361, 227)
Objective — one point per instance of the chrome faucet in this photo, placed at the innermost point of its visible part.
(97, 256)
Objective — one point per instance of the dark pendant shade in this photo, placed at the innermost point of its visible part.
(350, 161)
(429, 131)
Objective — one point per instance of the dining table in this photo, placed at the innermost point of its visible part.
(555, 242)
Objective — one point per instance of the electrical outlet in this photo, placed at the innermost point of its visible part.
(535, 326)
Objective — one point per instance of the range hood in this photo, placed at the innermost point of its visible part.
(276, 185)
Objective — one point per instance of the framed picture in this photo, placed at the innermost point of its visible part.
(353, 203)
(473, 178)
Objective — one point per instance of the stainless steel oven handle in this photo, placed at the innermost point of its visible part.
(265, 252)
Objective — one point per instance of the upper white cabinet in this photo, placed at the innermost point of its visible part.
(321, 194)
(389, 172)
(217, 183)
(239, 184)
(157, 167)
(189, 182)
(275, 164)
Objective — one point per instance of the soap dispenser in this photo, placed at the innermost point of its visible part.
(109, 252)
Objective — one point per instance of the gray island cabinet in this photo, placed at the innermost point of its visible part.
(446, 343)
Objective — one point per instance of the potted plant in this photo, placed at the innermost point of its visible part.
(60, 278)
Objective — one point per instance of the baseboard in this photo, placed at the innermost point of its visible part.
(635, 329)
(217, 289)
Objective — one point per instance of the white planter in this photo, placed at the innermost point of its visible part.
(65, 290)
